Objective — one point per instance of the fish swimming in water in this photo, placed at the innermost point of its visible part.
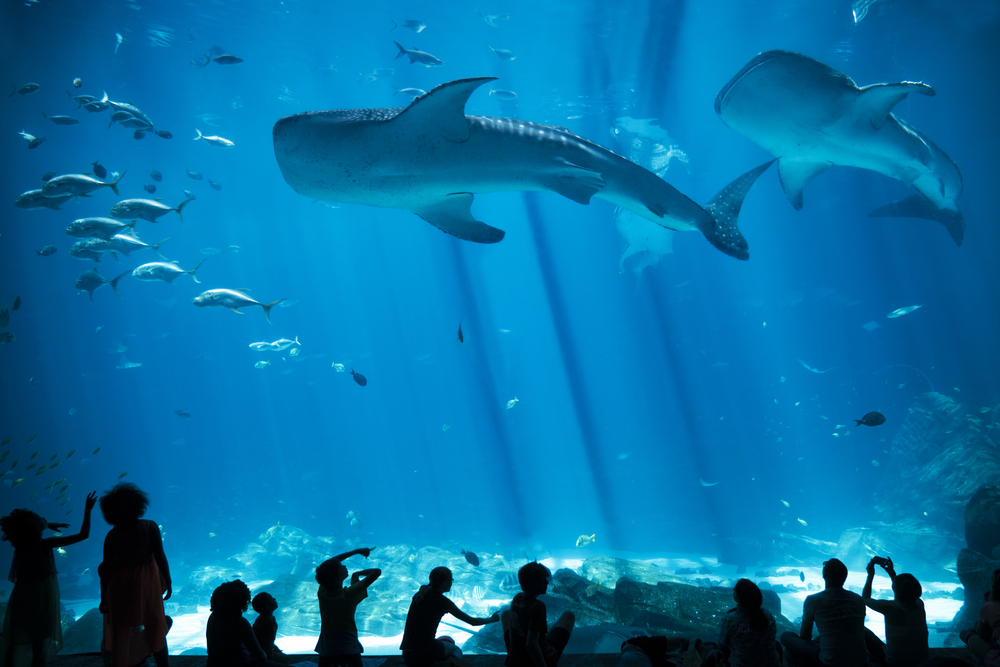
(34, 199)
(410, 24)
(870, 419)
(46, 251)
(461, 338)
(899, 312)
(99, 169)
(430, 159)
(811, 116)
(78, 184)
(584, 540)
(90, 281)
(145, 209)
(165, 271)
(233, 300)
(215, 141)
(359, 378)
(472, 558)
(417, 56)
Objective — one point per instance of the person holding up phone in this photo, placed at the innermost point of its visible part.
(905, 620)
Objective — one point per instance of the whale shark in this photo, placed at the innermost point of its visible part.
(431, 159)
(811, 116)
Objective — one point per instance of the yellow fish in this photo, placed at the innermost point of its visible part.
(802, 521)
(97, 450)
(413, 558)
(593, 588)
(124, 473)
(62, 552)
(584, 540)
(16, 482)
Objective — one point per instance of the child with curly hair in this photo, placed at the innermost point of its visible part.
(32, 618)
(231, 640)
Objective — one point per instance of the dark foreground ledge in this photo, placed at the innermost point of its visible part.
(569, 660)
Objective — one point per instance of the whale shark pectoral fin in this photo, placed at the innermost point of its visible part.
(442, 110)
(919, 206)
(879, 99)
(453, 215)
(574, 182)
(795, 174)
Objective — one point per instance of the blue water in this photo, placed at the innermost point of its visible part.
(690, 368)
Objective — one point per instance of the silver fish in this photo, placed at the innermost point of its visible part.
(101, 228)
(165, 271)
(233, 300)
(33, 199)
(416, 56)
(146, 209)
(78, 184)
(215, 141)
(90, 281)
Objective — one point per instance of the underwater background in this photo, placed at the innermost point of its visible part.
(666, 403)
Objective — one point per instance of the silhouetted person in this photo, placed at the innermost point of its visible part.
(231, 641)
(747, 633)
(983, 637)
(338, 644)
(525, 631)
(905, 620)
(32, 617)
(839, 616)
(420, 647)
(265, 627)
(652, 651)
(135, 580)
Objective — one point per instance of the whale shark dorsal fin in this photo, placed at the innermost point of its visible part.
(880, 98)
(442, 110)
(453, 215)
(795, 174)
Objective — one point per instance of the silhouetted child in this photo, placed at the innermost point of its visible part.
(338, 643)
(32, 618)
(747, 633)
(983, 636)
(265, 628)
(135, 580)
(231, 640)
(529, 643)
(429, 605)
(905, 619)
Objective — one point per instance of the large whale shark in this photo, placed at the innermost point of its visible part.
(811, 117)
(430, 158)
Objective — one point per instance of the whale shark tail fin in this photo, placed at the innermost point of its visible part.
(724, 209)
(919, 206)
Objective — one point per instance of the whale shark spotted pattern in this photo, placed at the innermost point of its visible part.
(811, 117)
(431, 159)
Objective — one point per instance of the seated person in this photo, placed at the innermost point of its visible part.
(231, 641)
(420, 647)
(529, 643)
(338, 643)
(265, 628)
(747, 633)
(905, 620)
(652, 651)
(839, 616)
(983, 637)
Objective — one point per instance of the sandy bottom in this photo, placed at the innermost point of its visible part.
(188, 631)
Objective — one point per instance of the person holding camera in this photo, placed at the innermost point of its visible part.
(905, 620)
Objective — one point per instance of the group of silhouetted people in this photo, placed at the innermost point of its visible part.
(135, 581)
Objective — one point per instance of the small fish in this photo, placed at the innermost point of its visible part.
(62, 552)
(584, 540)
(215, 186)
(262, 364)
(874, 463)
(415, 92)
(17, 304)
(899, 312)
(70, 453)
(478, 592)
(32, 438)
(338, 367)
(211, 535)
(504, 94)
(225, 59)
(150, 188)
(190, 195)
(492, 18)
(78, 184)
(47, 176)
(164, 134)
(5, 442)
(97, 450)
(145, 209)
(54, 456)
(410, 24)
(62, 120)
(121, 39)
(77, 82)
(99, 169)
(503, 54)
(870, 419)
(294, 352)
(155, 175)
(592, 589)
(183, 414)
(233, 300)
(359, 378)
(165, 271)
(194, 174)
(139, 134)
(16, 482)
(26, 89)
(421, 57)
(785, 503)
(512, 402)
(33, 141)
(46, 251)
(472, 558)
(704, 483)
(34, 199)
(802, 521)
(802, 575)
(90, 281)
(215, 141)
(124, 473)
(461, 338)
(34, 455)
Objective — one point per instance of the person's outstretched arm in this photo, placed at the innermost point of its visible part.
(364, 578)
(472, 620)
(366, 552)
(66, 540)
(881, 606)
